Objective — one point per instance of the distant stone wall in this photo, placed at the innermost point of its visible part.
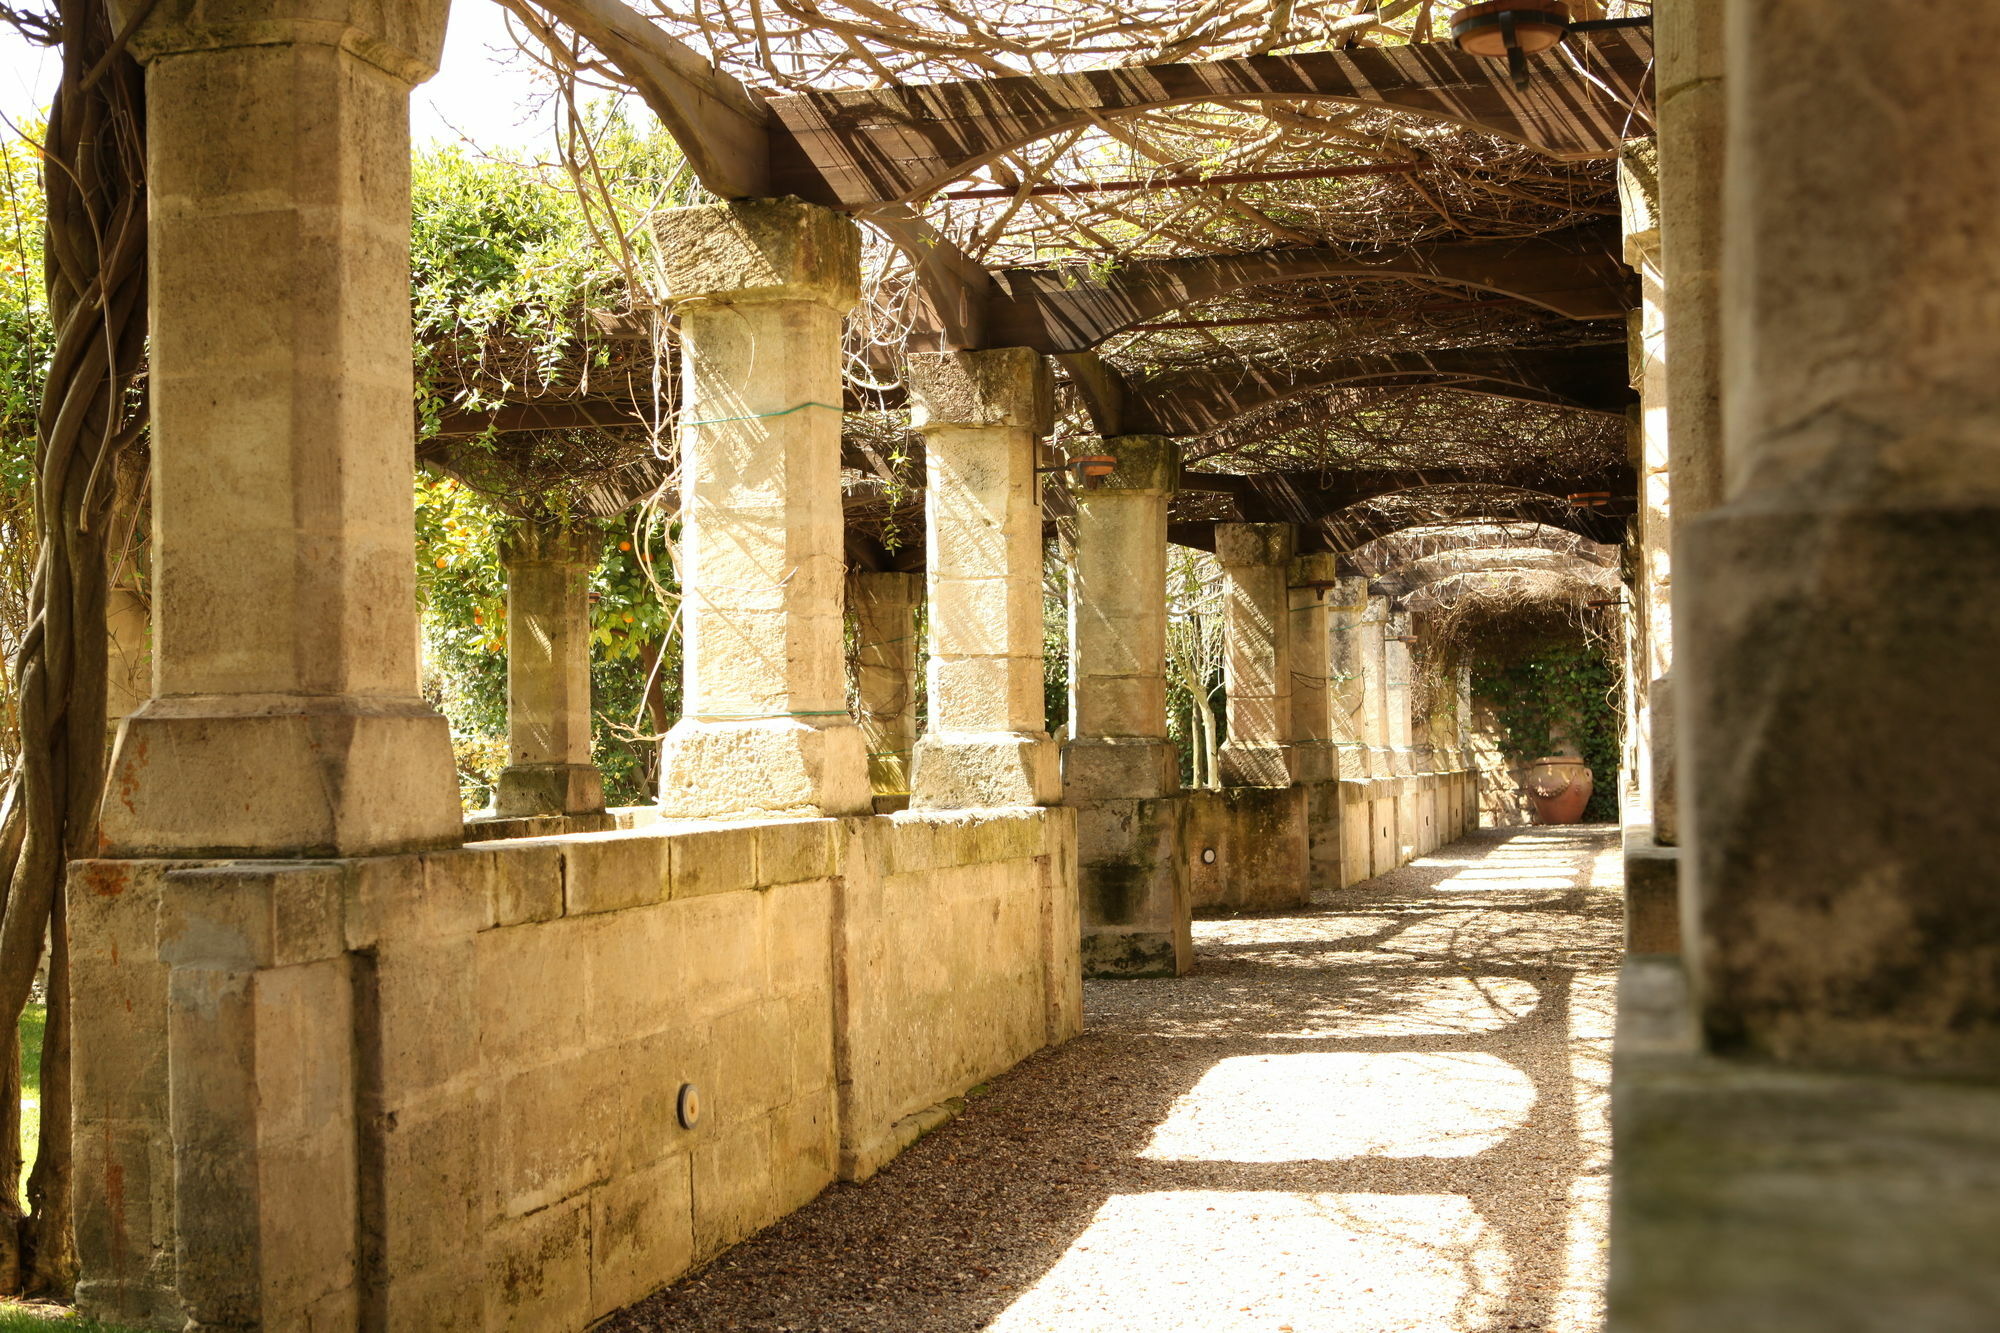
(441, 1091)
(1254, 849)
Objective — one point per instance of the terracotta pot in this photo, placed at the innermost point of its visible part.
(1560, 786)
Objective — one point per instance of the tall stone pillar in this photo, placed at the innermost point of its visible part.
(1836, 676)
(1314, 757)
(1313, 582)
(1372, 630)
(1118, 744)
(285, 718)
(1689, 113)
(1119, 768)
(761, 286)
(1347, 673)
(1256, 560)
(1398, 679)
(885, 640)
(549, 770)
(988, 743)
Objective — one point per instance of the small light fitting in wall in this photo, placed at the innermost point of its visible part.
(1208, 856)
(1590, 499)
(687, 1106)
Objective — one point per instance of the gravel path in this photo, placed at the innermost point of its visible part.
(1382, 1113)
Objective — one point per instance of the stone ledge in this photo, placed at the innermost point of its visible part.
(1652, 893)
(1750, 1197)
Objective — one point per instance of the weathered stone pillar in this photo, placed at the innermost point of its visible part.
(1371, 631)
(988, 741)
(1347, 671)
(761, 286)
(1118, 744)
(1836, 674)
(1256, 561)
(1312, 584)
(885, 634)
(285, 718)
(1397, 687)
(1314, 757)
(549, 771)
(1119, 768)
(1689, 113)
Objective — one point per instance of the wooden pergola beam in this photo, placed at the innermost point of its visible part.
(1578, 273)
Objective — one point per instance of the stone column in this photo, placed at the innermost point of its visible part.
(1347, 669)
(885, 634)
(1314, 758)
(1256, 561)
(1397, 673)
(1689, 113)
(285, 718)
(549, 771)
(1837, 663)
(761, 286)
(1371, 631)
(988, 743)
(1119, 768)
(1313, 582)
(1118, 744)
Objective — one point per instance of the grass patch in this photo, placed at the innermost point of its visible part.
(34, 1023)
(35, 1318)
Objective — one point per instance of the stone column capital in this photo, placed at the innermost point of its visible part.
(403, 38)
(1000, 387)
(1254, 543)
(755, 250)
(1146, 463)
(543, 544)
(1639, 201)
(1319, 567)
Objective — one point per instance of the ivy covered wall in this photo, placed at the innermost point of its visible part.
(1553, 698)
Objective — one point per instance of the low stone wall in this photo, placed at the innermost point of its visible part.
(444, 1091)
(1248, 849)
(1256, 849)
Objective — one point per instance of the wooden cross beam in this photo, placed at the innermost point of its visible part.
(1577, 273)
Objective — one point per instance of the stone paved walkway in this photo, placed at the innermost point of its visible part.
(1384, 1113)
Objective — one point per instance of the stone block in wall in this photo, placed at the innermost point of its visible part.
(733, 1193)
(1652, 895)
(606, 872)
(432, 989)
(538, 1268)
(711, 858)
(551, 1125)
(641, 1228)
(634, 974)
(534, 991)
(1356, 837)
(440, 1158)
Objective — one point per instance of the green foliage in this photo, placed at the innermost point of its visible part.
(50, 1319)
(1557, 693)
(26, 340)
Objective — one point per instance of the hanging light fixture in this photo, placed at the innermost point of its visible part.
(1510, 29)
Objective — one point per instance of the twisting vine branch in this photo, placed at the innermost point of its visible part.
(93, 410)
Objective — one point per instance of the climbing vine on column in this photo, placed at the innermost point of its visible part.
(92, 411)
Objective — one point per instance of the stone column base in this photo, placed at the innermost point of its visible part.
(548, 789)
(1132, 888)
(1119, 768)
(281, 775)
(1255, 764)
(958, 770)
(1313, 761)
(777, 765)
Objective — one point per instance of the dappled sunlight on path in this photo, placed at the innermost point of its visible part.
(1382, 1113)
